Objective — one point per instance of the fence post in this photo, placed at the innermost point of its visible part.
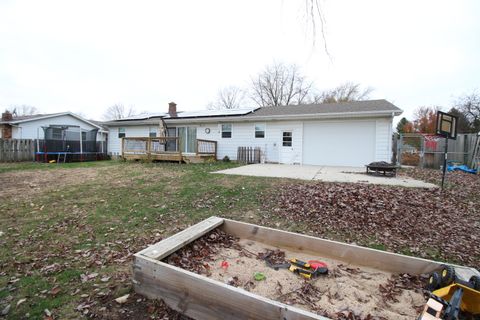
(399, 150)
(422, 151)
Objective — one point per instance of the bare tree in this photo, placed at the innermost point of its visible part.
(118, 111)
(469, 105)
(345, 92)
(315, 17)
(228, 98)
(23, 110)
(279, 85)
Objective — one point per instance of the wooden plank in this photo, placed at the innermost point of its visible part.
(202, 298)
(167, 246)
(361, 256)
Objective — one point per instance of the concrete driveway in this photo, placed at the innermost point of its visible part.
(323, 173)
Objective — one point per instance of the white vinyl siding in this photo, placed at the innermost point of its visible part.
(33, 129)
(383, 142)
(114, 143)
(371, 136)
(243, 135)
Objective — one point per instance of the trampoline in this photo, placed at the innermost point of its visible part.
(67, 143)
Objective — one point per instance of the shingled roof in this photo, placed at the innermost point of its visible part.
(369, 106)
(303, 111)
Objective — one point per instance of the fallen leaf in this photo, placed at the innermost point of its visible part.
(19, 302)
(6, 310)
(122, 299)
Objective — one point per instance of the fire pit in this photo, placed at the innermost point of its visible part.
(382, 168)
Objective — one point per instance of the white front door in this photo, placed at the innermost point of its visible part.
(287, 154)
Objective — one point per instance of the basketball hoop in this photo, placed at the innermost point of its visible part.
(446, 127)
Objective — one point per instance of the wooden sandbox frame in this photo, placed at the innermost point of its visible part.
(200, 297)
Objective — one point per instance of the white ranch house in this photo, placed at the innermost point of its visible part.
(335, 134)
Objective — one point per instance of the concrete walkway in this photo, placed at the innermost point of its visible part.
(323, 173)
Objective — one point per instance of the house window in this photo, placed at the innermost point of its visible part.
(121, 132)
(287, 139)
(153, 133)
(260, 130)
(226, 130)
(57, 133)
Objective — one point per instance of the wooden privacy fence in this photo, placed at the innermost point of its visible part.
(13, 150)
(248, 155)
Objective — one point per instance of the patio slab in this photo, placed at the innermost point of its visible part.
(323, 173)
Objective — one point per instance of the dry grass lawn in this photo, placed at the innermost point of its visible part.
(67, 232)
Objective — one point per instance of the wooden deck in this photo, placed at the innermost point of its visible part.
(166, 149)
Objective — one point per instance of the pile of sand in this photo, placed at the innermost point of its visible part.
(346, 289)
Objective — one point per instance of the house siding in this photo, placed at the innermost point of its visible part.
(114, 143)
(243, 134)
(33, 129)
(383, 142)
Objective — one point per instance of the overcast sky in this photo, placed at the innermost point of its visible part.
(84, 56)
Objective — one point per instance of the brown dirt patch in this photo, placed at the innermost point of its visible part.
(22, 184)
(25, 184)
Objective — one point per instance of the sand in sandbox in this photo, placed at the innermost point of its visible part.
(346, 287)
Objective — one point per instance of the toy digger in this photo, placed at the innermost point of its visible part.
(308, 270)
(451, 297)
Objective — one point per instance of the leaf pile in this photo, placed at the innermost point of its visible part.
(307, 294)
(394, 286)
(272, 257)
(428, 223)
(196, 256)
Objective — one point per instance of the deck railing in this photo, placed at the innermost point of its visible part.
(146, 146)
(207, 147)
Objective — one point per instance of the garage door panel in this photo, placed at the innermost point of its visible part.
(350, 143)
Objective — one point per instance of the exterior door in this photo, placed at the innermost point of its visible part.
(171, 144)
(187, 139)
(287, 154)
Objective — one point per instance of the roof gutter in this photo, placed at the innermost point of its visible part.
(53, 115)
(386, 113)
(252, 117)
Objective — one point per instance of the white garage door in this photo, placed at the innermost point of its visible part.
(346, 143)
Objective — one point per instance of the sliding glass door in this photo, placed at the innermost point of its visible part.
(188, 139)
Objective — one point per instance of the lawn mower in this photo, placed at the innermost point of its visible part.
(450, 297)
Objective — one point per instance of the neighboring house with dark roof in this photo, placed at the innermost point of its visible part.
(33, 126)
(341, 134)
